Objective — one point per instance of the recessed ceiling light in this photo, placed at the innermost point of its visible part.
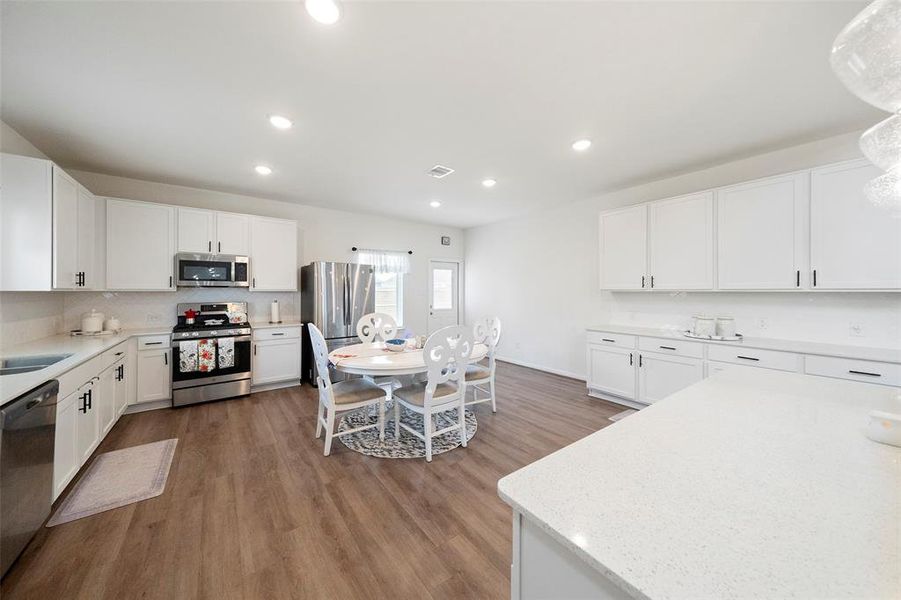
(434, 204)
(280, 122)
(323, 11)
(581, 145)
(262, 170)
(489, 183)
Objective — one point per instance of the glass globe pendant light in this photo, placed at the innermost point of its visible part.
(866, 57)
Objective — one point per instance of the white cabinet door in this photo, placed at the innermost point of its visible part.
(612, 370)
(65, 457)
(122, 382)
(660, 375)
(87, 240)
(105, 399)
(26, 223)
(232, 234)
(273, 254)
(196, 230)
(276, 361)
(154, 376)
(623, 239)
(65, 231)
(854, 244)
(87, 423)
(761, 234)
(140, 245)
(681, 243)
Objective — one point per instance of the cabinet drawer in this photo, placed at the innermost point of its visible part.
(671, 346)
(276, 333)
(70, 381)
(153, 342)
(114, 354)
(768, 359)
(611, 339)
(855, 370)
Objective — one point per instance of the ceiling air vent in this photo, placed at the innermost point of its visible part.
(439, 171)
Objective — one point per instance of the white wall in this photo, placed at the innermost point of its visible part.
(539, 274)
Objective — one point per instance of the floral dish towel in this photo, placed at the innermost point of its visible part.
(226, 348)
(187, 356)
(206, 355)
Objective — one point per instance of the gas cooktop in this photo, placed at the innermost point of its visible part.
(211, 320)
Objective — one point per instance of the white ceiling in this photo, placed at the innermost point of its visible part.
(180, 91)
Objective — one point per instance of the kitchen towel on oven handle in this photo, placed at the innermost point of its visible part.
(226, 348)
(206, 355)
(187, 356)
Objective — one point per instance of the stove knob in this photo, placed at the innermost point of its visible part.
(195, 334)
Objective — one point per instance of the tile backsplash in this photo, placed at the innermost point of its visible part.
(136, 310)
(27, 316)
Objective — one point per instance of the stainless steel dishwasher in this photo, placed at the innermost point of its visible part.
(27, 439)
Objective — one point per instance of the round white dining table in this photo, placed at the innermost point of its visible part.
(375, 359)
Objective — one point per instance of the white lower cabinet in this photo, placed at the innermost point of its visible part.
(154, 375)
(611, 370)
(660, 375)
(276, 355)
(65, 458)
(87, 421)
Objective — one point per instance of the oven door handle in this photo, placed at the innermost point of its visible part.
(239, 338)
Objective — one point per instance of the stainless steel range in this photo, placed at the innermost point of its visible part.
(211, 352)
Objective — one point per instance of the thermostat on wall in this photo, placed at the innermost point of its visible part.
(445, 240)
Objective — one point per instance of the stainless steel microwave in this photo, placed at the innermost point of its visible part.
(211, 270)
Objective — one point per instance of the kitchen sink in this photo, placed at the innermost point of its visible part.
(26, 364)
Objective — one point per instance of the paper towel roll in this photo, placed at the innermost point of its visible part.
(273, 312)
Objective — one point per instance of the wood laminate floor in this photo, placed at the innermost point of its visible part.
(252, 509)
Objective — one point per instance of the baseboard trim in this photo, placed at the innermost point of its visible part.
(145, 406)
(528, 365)
(275, 386)
(615, 399)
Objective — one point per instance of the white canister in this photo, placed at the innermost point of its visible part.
(704, 325)
(92, 322)
(112, 324)
(725, 326)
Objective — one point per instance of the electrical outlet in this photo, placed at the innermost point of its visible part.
(856, 330)
(153, 318)
(762, 324)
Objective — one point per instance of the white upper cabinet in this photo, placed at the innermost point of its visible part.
(854, 244)
(26, 223)
(623, 239)
(761, 234)
(65, 231)
(88, 243)
(232, 233)
(273, 254)
(208, 231)
(681, 243)
(196, 230)
(140, 240)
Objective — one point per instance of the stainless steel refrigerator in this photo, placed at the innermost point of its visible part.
(334, 296)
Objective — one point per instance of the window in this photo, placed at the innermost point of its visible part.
(389, 295)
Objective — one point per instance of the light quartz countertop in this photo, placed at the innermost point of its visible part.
(754, 485)
(268, 325)
(82, 349)
(892, 355)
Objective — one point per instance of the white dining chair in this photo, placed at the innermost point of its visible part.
(343, 396)
(488, 332)
(446, 354)
(376, 327)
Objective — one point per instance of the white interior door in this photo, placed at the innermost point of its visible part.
(444, 294)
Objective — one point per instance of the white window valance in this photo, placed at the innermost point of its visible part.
(385, 261)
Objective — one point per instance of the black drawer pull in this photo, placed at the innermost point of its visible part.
(865, 373)
(667, 347)
(748, 358)
(152, 343)
(608, 340)
(274, 334)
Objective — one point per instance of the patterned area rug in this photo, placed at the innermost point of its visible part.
(118, 478)
(408, 446)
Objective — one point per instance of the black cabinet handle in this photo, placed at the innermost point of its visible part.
(608, 340)
(209, 246)
(170, 280)
(166, 358)
(814, 278)
(254, 282)
(254, 349)
(90, 401)
(865, 373)
(630, 359)
(220, 246)
(652, 282)
(84, 403)
(667, 347)
(798, 278)
(152, 343)
(119, 353)
(748, 358)
(642, 282)
(640, 364)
